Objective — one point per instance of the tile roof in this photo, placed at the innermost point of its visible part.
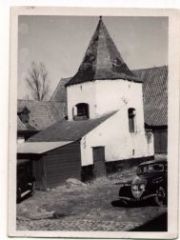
(102, 60)
(24, 127)
(155, 94)
(59, 93)
(20, 125)
(43, 113)
(68, 130)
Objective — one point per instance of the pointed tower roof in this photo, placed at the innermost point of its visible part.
(102, 60)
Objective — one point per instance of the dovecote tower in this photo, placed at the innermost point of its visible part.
(104, 83)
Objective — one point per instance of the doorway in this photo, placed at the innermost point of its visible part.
(99, 161)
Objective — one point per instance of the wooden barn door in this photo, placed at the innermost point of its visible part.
(99, 161)
(160, 141)
(39, 174)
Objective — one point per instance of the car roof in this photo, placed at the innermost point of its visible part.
(164, 161)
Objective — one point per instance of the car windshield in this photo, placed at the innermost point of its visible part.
(150, 168)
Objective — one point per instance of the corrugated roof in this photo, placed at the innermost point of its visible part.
(68, 130)
(39, 147)
(43, 113)
(155, 94)
(102, 60)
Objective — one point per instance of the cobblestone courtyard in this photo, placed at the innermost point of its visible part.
(84, 207)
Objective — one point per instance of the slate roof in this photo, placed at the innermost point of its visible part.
(43, 113)
(68, 130)
(102, 60)
(155, 95)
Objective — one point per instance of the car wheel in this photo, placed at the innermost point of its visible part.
(160, 197)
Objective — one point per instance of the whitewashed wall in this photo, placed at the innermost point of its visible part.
(119, 143)
(115, 94)
(82, 93)
(105, 96)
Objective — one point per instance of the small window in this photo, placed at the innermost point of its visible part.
(131, 119)
(81, 112)
(24, 114)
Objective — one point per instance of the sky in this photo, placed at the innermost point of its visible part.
(60, 43)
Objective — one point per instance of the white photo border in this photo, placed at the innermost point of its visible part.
(173, 117)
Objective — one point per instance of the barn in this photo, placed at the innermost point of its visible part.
(49, 166)
(83, 149)
(56, 153)
(40, 114)
(155, 98)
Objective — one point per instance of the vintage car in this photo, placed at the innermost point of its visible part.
(25, 179)
(149, 183)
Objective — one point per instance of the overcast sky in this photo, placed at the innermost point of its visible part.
(60, 43)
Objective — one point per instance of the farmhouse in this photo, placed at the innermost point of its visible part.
(155, 101)
(155, 97)
(104, 127)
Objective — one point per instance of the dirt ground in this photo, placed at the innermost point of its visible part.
(83, 207)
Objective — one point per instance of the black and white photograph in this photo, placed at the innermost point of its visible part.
(91, 122)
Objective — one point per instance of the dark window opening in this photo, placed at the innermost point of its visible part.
(23, 114)
(82, 111)
(131, 118)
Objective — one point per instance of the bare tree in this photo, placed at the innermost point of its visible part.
(37, 81)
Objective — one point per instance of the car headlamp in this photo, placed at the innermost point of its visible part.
(135, 187)
(142, 187)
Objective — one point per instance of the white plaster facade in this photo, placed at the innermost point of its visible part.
(106, 96)
(82, 93)
(102, 98)
(119, 144)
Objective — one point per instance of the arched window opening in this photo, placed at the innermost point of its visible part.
(81, 111)
(131, 119)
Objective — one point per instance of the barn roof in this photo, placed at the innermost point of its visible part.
(42, 114)
(20, 125)
(68, 130)
(155, 95)
(102, 60)
(59, 93)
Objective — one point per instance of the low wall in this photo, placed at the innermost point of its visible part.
(115, 166)
(87, 172)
